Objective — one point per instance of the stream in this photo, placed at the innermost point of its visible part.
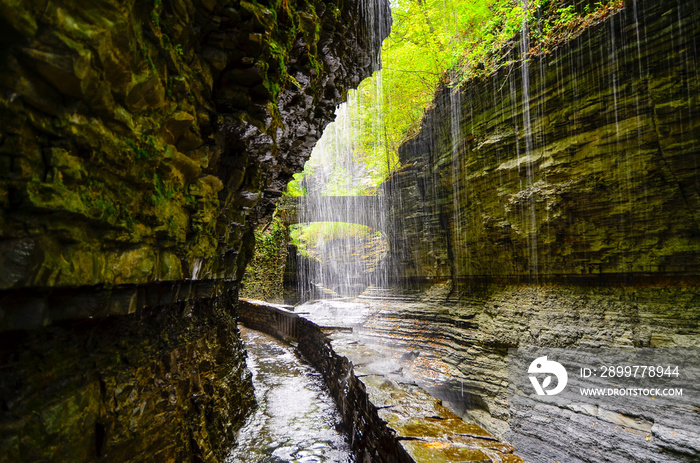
(296, 419)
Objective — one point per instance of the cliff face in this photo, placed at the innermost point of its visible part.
(582, 161)
(455, 343)
(141, 144)
(555, 204)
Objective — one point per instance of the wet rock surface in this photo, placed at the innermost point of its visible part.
(295, 419)
(142, 142)
(402, 346)
(128, 157)
(553, 204)
(455, 344)
(388, 416)
(167, 384)
(579, 162)
(427, 430)
(394, 383)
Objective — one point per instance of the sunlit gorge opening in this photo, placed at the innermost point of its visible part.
(337, 259)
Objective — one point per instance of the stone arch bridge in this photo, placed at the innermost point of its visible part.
(363, 210)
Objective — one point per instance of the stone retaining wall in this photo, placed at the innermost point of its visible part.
(387, 422)
(370, 439)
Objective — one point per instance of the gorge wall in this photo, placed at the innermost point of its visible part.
(142, 142)
(580, 161)
(555, 203)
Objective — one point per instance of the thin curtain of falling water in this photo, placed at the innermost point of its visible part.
(377, 24)
(342, 243)
(342, 219)
(527, 126)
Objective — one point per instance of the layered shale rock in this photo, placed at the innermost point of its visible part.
(554, 203)
(388, 417)
(582, 161)
(455, 343)
(152, 135)
(142, 142)
(166, 384)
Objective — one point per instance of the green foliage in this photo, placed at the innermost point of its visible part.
(428, 37)
(431, 41)
(155, 18)
(147, 58)
(265, 272)
(546, 22)
(268, 240)
(132, 145)
(189, 199)
(294, 187)
(141, 150)
(167, 214)
(291, 79)
(102, 204)
(278, 53)
(155, 13)
(162, 191)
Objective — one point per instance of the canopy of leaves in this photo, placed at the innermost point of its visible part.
(428, 38)
(359, 150)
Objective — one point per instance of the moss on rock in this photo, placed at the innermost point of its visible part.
(142, 142)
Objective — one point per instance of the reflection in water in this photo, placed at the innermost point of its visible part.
(296, 420)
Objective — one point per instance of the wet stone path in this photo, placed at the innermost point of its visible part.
(296, 420)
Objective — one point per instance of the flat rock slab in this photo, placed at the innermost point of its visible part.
(428, 431)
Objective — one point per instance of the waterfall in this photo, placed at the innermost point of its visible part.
(342, 216)
(457, 141)
(527, 127)
(377, 22)
(460, 254)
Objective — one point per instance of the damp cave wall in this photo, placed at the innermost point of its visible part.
(577, 230)
(141, 144)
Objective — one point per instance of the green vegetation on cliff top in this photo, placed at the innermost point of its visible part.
(432, 41)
